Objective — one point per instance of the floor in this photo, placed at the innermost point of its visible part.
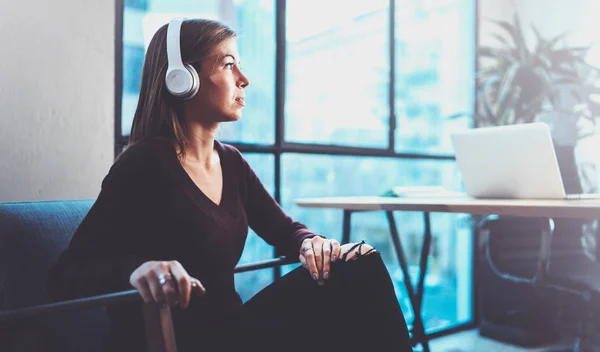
(470, 341)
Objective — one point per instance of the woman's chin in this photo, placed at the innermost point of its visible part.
(233, 117)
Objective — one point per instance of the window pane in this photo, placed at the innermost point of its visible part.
(254, 21)
(249, 283)
(337, 72)
(435, 65)
(136, 4)
(448, 280)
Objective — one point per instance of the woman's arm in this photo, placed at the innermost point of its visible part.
(102, 253)
(267, 218)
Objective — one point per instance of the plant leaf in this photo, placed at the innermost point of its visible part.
(510, 29)
(561, 56)
(552, 42)
(567, 80)
(484, 98)
(594, 108)
(505, 94)
(558, 70)
(592, 90)
(575, 94)
(579, 49)
(538, 36)
(508, 83)
(501, 39)
(459, 115)
(520, 42)
(504, 110)
(548, 84)
(494, 53)
(588, 134)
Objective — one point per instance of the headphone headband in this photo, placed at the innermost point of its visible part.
(173, 44)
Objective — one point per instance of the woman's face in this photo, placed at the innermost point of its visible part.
(222, 82)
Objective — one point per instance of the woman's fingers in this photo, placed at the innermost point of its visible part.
(182, 282)
(302, 260)
(155, 288)
(326, 259)
(165, 282)
(169, 288)
(336, 250)
(197, 287)
(144, 290)
(317, 254)
(318, 250)
(307, 251)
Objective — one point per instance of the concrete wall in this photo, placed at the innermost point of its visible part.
(56, 98)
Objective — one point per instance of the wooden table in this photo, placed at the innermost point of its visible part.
(542, 208)
(575, 209)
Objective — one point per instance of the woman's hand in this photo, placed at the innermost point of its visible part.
(316, 255)
(165, 283)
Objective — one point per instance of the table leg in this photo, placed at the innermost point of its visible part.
(423, 260)
(544, 254)
(415, 299)
(346, 226)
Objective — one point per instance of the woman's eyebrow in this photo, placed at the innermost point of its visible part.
(230, 55)
(219, 58)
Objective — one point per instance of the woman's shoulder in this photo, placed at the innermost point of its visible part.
(141, 156)
(231, 154)
(145, 149)
(227, 148)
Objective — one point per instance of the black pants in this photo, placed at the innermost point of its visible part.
(356, 310)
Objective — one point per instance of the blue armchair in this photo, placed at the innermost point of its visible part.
(32, 235)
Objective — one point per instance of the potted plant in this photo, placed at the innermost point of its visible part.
(549, 82)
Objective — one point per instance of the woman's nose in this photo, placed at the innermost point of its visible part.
(244, 81)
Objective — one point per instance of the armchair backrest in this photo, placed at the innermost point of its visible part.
(32, 235)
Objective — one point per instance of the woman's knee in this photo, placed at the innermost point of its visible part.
(351, 251)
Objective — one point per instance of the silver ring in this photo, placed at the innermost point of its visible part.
(163, 278)
(304, 249)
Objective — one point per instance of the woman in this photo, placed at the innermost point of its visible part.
(173, 214)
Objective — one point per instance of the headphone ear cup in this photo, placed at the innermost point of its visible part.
(179, 82)
(195, 82)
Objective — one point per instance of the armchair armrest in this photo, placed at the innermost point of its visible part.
(160, 334)
(268, 263)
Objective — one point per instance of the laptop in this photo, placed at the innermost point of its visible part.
(513, 161)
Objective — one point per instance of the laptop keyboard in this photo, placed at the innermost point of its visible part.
(583, 196)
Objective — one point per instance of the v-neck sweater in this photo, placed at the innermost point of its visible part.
(150, 209)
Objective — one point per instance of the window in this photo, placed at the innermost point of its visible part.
(435, 69)
(136, 4)
(320, 121)
(133, 57)
(337, 73)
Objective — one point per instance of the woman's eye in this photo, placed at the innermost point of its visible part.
(229, 65)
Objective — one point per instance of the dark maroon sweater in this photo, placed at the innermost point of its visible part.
(150, 209)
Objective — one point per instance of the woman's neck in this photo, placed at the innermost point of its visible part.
(200, 144)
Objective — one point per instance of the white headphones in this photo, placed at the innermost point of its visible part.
(181, 80)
